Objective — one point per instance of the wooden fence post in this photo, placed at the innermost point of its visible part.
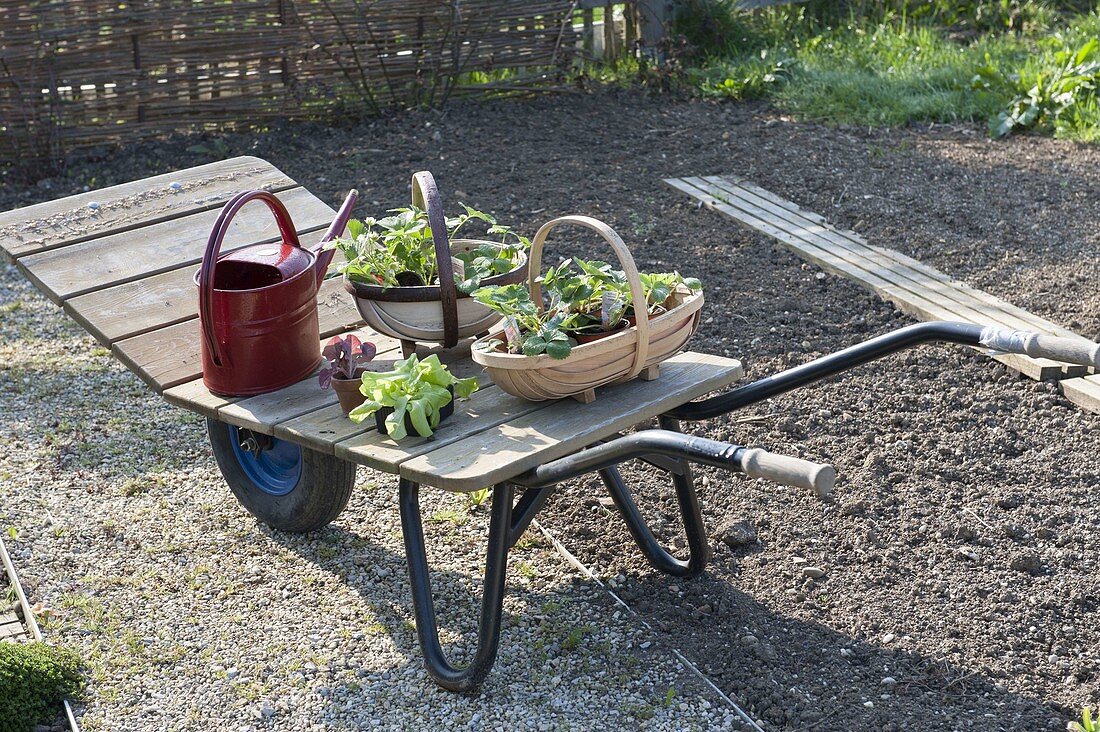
(139, 87)
(655, 17)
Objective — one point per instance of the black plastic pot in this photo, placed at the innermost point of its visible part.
(444, 412)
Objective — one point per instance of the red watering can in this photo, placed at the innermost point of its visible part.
(258, 304)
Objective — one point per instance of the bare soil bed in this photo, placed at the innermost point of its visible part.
(959, 555)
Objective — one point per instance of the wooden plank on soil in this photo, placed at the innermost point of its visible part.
(1084, 392)
(829, 260)
(129, 206)
(912, 290)
(132, 255)
(916, 282)
(565, 426)
(954, 288)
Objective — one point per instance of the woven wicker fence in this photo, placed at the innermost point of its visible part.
(81, 73)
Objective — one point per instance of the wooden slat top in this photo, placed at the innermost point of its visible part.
(123, 266)
(121, 260)
(491, 437)
(95, 264)
(565, 426)
(132, 205)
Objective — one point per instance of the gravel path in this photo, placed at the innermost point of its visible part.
(958, 560)
(193, 616)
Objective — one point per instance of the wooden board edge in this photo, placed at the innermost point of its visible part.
(1084, 392)
(1037, 369)
(407, 469)
(280, 187)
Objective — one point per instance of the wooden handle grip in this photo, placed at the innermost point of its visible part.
(1067, 350)
(791, 471)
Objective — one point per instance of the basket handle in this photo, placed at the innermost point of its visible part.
(425, 195)
(213, 249)
(637, 294)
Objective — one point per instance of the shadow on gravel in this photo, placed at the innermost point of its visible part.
(382, 583)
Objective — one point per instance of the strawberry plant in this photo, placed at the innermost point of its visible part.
(398, 250)
(585, 298)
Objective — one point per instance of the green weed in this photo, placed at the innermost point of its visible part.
(1087, 723)
(476, 499)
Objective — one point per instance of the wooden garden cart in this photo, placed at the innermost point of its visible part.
(120, 261)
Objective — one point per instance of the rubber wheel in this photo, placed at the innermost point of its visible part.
(286, 486)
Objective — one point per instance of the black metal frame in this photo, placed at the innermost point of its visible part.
(509, 519)
(666, 448)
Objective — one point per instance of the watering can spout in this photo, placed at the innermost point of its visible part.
(324, 256)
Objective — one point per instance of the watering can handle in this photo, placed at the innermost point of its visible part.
(335, 229)
(425, 195)
(213, 249)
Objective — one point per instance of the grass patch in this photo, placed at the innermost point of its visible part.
(889, 75)
(34, 679)
(894, 65)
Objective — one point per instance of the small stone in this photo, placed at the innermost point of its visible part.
(857, 507)
(267, 712)
(889, 681)
(749, 640)
(787, 425)
(175, 186)
(1027, 562)
(819, 276)
(965, 553)
(813, 572)
(93, 205)
(889, 638)
(736, 534)
(845, 652)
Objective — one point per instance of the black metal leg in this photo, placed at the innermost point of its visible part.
(658, 556)
(500, 534)
(530, 503)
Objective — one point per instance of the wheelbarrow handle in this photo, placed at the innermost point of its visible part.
(1039, 345)
(755, 463)
(1070, 350)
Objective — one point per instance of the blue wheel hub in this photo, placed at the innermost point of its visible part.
(274, 466)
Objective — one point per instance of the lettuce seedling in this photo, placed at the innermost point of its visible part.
(343, 357)
(415, 388)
